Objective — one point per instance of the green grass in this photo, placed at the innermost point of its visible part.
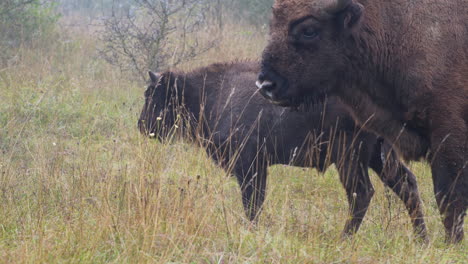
(79, 184)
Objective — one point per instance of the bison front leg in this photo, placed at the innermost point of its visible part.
(402, 181)
(252, 178)
(359, 191)
(451, 191)
(449, 163)
(451, 196)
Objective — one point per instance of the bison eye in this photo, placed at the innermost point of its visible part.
(309, 33)
(147, 93)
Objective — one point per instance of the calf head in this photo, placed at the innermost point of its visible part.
(307, 50)
(158, 115)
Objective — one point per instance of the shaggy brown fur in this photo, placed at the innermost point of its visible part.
(244, 133)
(400, 66)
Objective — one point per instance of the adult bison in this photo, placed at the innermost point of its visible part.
(400, 66)
(244, 133)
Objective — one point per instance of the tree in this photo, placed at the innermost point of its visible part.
(153, 34)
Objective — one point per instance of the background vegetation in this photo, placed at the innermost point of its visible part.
(79, 184)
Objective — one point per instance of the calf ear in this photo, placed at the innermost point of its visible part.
(153, 77)
(350, 18)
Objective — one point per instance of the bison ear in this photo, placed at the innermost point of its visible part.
(350, 18)
(153, 76)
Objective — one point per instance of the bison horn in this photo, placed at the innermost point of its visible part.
(153, 76)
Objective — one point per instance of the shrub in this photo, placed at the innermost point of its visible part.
(154, 35)
(22, 22)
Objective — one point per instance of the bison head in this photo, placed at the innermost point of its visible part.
(306, 55)
(159, 111)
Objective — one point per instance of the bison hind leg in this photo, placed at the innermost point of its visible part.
(395, 175)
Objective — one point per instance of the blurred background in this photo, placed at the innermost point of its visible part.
(134, 35)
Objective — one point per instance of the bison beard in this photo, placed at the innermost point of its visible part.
(245, 134)
(400, 66)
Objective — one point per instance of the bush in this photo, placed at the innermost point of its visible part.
(154, 35)
(22, 22)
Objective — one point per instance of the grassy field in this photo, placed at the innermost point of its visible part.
(78, 183)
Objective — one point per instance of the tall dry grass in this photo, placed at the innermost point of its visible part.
(79, 184)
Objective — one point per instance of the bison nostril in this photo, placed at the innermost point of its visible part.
(261, 77)
(268, 86)
(264, 83)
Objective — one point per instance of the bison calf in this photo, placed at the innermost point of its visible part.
(245, 134)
